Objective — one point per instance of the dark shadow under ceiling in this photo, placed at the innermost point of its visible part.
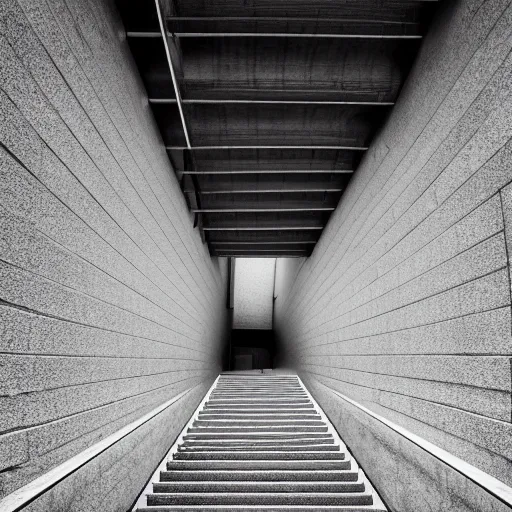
(276, 104)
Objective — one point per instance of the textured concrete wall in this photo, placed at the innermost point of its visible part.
(109, 302)
(405, 304)
(254, 291)
(286, 272)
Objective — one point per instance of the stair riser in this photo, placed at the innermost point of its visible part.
(255, 464)
(298, 456)
(239, 430)
(259, 417)
(292, 448)
(259, 499)
(271, 444)
(260, 476)
(251, 437)
(304, 487)
(257, 423)
(255, 508)
(277, 440)
(271, 407)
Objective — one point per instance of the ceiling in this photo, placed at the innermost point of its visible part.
(266, 107)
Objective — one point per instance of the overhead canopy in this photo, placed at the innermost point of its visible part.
(267, 107)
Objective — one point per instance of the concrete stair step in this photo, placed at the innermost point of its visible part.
(257, 412)
(285, 465)
(260, 416)
(241, 447)
(262, 428)
(260, 443)
(267, 392)
(260, 400)
(251, 396)
(258, 389)
(245, 443)
(257, 508)
(258, 423)
(261, 499)
(256, 487)
(259, 455)
(347, 475)
(266, 385)
(250, 437)
(264, 375)
(259, 407)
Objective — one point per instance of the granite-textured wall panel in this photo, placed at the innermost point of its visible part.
(404, 305)
(410, 478)
(444, 56)
(110, 304)
(112, 480)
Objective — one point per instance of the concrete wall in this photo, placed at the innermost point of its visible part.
(405, 304)
(110, 304)
(286, 272)
(254, 291)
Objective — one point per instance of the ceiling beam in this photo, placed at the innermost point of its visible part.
(214, 148)
(267, 191)
(266, 250)
(261, 210)
(277, 171)
(273, 228)
(135, 34)
(251, 255)
(295, 35)
(164, 35)
(256, 242)
(165, 101)
(288, 18)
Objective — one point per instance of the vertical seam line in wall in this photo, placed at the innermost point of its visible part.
(506, 248)
(509, 283)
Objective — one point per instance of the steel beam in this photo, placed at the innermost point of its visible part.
(215, 242)
(261, 210)
(273, 228)
(276, 171)
(264, 250)
(164, 101)
(164, 35)
(135, 34)
(268, 191)
(295, 35)
(217, 148)
(216, 254)
(289, 18)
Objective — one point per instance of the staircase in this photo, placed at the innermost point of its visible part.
(259, 442)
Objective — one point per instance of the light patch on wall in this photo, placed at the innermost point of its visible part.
(254, 290)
